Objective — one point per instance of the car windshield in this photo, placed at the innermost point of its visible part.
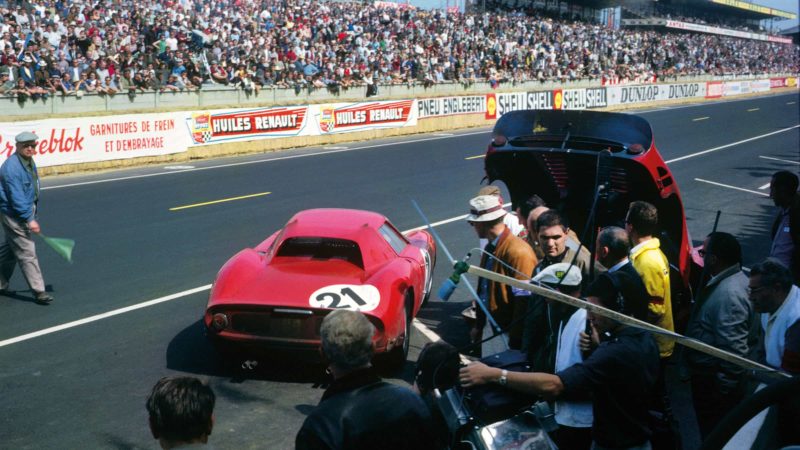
(322, 248)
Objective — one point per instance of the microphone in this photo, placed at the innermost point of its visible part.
(450, 284)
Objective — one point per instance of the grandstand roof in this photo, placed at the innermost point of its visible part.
(739, 8)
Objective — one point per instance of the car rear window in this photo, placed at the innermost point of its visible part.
(322, 248)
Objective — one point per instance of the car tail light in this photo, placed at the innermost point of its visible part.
(498, 140)
(219, 322)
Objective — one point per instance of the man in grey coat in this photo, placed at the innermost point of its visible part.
(723, 317)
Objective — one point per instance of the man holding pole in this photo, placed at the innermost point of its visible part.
(19, 196)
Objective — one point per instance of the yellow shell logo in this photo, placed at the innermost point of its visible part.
(491, 106)
(558, 99)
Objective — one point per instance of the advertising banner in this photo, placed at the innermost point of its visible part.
(791, 82)
(344, 118)
(745, 87)
(91, 139)
(714, 89)
(213, 127)
(588, 98)
(775, 83)
(625, 95)
(725, 31)
(514, 101)
(732, 88)
(759, 85)
(451, 106)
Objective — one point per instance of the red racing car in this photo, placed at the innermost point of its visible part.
(273, 297)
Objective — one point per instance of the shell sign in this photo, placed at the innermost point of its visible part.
(491, 107)
(558, 99)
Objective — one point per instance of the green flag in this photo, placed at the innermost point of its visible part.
(62, 246)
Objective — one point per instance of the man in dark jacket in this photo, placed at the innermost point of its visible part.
(19, 196)
(359, 411)
(613, 247)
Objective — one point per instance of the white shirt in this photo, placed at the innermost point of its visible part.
(568, 353)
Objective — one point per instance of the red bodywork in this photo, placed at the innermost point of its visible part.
(274, 296)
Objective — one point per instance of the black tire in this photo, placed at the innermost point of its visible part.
(431, 262)
(396, 358)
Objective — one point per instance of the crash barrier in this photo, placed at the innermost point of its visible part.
(627, 320)
(108, 141)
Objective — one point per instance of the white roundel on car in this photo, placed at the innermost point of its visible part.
(346, 296)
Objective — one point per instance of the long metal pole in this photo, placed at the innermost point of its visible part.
(621, 318)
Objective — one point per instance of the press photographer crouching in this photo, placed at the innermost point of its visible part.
(618, 375)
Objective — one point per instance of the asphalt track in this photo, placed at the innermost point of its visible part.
(84, 385)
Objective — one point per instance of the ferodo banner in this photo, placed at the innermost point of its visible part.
(91, 139)
(212, 127)
(514, 101)
(451, 106)
(584, 98)
(344, 118)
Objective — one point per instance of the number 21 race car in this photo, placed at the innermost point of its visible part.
(272, 298)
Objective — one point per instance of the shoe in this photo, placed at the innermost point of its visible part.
(43, 298)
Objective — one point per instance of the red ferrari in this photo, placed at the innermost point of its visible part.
(273, 297)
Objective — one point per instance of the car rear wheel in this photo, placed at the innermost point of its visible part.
(396, 358)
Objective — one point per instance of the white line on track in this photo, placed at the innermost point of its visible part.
(761, 188)
(779, 159)
(156, 301)
(104, 315)
(731, 187)
(762, 136)
(279, 158)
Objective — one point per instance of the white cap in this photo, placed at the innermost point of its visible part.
(554, 273)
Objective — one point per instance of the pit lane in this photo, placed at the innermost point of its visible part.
(85, 386)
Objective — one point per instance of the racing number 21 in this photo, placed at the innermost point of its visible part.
(336, 298)
(356, 297)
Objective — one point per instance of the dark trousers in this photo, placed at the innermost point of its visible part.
(570, 438)
(711, 402)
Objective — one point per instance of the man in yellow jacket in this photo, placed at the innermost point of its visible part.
(651, 263)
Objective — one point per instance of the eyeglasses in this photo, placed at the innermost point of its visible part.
(28, 144)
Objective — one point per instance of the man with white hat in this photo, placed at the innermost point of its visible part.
(19, 196)
(506, 255)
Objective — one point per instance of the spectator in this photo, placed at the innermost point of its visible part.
(181, 411)
(613, 248)
(511, 220)
(504, 303)
(641, 223)
(724, 318)
(358, 408)
(786, 227)
(777, 302)
(566, 323)
(617, 375)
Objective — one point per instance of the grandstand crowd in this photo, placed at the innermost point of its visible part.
(122, 46)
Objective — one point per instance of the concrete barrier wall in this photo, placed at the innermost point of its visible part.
(217, 97)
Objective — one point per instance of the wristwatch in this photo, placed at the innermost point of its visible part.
(503, 377)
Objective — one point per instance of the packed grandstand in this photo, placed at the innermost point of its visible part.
(66, 47)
